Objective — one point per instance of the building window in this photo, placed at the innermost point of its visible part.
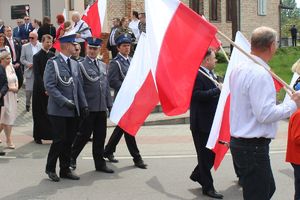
(214, 10)
(88, 2)
(197, 6)
(262, 7)
(46, 8)
(71, 4)
(228, 10)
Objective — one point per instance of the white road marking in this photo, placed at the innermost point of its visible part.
(175, 156)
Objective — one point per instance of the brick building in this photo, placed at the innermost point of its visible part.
(249, 13)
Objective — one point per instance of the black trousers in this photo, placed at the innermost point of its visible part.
(252, 159)
(294, 41)
(64, 131)
(95, 123)
(205, 159)
(110, 147)
(297, 181)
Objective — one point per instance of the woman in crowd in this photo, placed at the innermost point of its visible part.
(9, 110)
(36, 25)
(293, 143)
(3, 47)
(46, 28)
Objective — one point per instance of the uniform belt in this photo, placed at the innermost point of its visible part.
(252, 141)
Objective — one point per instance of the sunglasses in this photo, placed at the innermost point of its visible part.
(26, 19)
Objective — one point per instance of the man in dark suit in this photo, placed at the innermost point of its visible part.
(66, 102)
(3, 90)
(25, 29)
(118, 68)
(111, 43)
(16, 30)
(97, 93)
(15, 47)
(204, 102)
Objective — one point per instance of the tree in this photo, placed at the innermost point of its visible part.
(289, 17)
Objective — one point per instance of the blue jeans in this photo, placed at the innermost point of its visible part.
(297, 180)
(251, 157)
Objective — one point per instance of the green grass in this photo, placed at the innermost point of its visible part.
(281, 64)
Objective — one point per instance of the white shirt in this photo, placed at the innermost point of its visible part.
(64, 57)
(134, 25)
(81, 25)
(35, 48)
(253, 109)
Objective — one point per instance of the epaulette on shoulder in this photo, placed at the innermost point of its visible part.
(53, 58)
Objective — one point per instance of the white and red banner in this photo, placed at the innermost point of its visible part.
(220, 130)
(94, 16)
(177, 40)
(137, 96)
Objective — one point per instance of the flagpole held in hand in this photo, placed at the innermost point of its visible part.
(286, 87)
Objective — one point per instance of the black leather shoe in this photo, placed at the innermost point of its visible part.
(195, 178)
(69, 175)
(53, 176)
(140, 164)
(104, 169)
(73, 164)
(213, 193)
(27, 108)
(38, 141)
(2, 153)
(111, 158)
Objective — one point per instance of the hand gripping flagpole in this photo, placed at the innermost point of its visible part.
(286, 87)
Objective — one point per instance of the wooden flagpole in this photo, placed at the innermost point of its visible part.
(286, 87)
(210, 78)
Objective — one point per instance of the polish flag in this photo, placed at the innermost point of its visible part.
(220, 131)
(165, 64)
(137, 96)
(178, 40)
(94, 16)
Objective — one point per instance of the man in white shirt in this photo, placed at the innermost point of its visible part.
(253, 117)
(82, 31)
(27, 53)
(134, 25)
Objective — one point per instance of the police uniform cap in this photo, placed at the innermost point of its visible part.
(124, 38)
(94, 42)
(67, 38)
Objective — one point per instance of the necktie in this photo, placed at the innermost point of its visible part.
(112, 36)
(69, 64)
(95, 62)
(128, 61)
(26, 27)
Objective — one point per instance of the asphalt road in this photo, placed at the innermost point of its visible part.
(168, 151)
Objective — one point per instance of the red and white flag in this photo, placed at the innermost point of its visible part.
(178, 40)
(94, 16)
(220, 130)
(137, 96)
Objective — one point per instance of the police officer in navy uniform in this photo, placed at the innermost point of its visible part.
(118, 68)
(66, 102)
(97, 93)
